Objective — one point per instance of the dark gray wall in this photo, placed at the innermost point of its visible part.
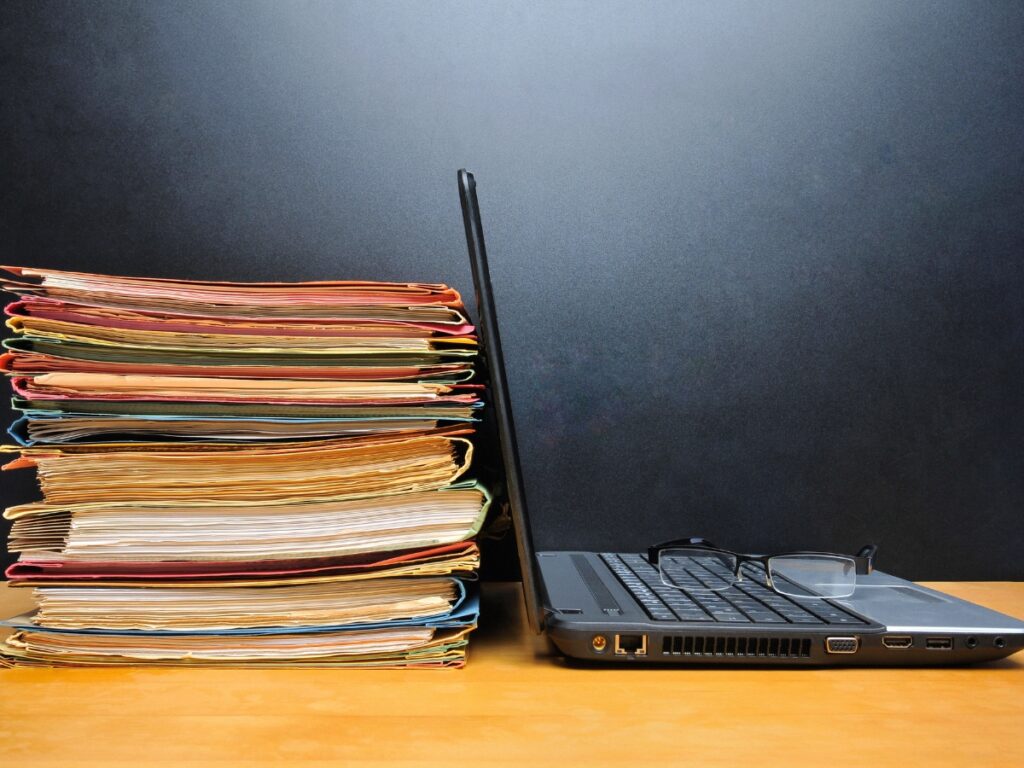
(758, 265)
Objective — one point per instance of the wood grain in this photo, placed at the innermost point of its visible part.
(517, 703)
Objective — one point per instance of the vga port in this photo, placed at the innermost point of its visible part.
(842, 644)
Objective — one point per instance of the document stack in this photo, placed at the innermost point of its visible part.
(257, 474)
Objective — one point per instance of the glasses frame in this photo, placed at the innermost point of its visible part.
(864, 560)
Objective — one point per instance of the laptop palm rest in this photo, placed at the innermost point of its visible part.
(901, 605)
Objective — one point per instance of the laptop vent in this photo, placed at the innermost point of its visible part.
(777, 647)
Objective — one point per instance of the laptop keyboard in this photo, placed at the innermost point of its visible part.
(750, 601)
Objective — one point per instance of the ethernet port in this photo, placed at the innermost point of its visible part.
(631, 645)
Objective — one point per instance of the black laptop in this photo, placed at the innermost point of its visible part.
(692, 602)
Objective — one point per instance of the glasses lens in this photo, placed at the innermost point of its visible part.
(697, 570)
(813, 575)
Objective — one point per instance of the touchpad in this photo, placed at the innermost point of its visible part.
(874, 594)
(900, 605)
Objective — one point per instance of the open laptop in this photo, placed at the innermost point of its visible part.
(690, 608)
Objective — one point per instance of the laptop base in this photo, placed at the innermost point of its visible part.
(592, 615)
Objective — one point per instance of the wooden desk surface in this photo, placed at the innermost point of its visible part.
(517, 704)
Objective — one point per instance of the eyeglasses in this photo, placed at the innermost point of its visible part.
(697, 565)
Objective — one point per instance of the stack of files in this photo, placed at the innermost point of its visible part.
(258, 474)
(95, 356)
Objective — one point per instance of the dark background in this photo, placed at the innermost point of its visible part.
(758, 265)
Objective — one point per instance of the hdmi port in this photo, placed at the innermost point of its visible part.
(898, 642)
(939, 643)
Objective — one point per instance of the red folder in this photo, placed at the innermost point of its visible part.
(182, 572)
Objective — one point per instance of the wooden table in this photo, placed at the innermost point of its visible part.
(518, 704)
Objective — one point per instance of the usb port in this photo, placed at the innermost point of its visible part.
(898, 642)
(939, 643)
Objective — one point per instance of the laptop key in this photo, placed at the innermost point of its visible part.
(845, 620)
(659, 612)
(765, 617)
(835, 616)
(693, 616)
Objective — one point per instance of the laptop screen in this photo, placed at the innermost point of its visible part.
(498, 397)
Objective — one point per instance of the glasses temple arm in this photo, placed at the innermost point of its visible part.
(865, 559)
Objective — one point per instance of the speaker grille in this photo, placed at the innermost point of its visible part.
(748, 647)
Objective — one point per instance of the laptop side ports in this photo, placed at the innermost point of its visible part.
(898, 642)
(842, 644)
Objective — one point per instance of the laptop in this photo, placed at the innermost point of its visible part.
(691, 603)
